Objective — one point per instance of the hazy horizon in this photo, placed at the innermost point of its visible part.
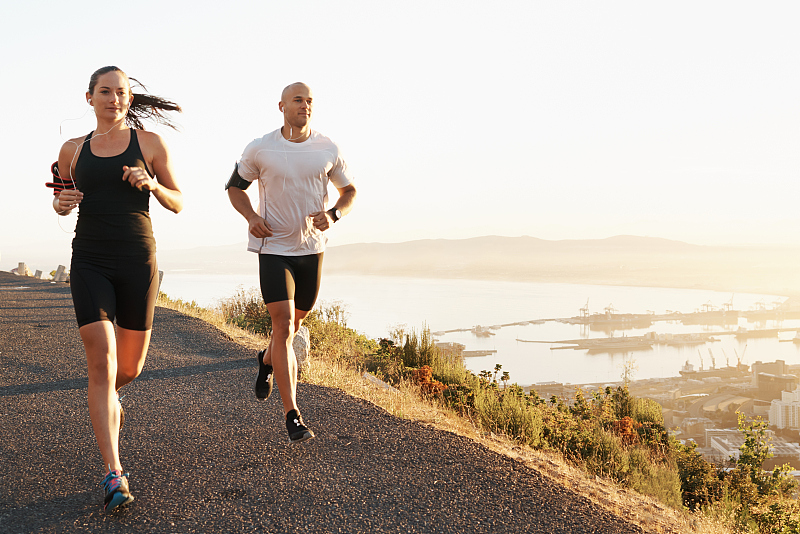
(620, 260)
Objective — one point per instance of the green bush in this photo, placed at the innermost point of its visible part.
(658, 479)
(509, 414)
(331, 338)
(777, 515)
(246, 310)
(700, 483)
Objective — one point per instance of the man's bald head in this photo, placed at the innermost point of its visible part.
(296, 105)
(292, 89)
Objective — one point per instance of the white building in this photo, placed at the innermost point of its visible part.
(726, 444)
(785, 413)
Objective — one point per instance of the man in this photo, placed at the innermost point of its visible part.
(293, 166)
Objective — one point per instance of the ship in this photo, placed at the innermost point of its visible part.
(729, 371)
(482, 331)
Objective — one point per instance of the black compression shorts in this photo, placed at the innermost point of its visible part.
(290, 278)
(109, 288)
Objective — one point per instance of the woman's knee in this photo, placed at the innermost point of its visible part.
(127, 374)
(101, 367)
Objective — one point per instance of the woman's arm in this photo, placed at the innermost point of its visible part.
(68, 199)
(164, 187)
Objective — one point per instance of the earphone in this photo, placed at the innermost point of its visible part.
(90, 101)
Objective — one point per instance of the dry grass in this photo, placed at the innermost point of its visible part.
(405, 402)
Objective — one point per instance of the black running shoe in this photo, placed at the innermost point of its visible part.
(298, 431)
(264, 380)
(115, 485)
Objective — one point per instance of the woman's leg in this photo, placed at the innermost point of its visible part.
(113, 361)
(101, 358)
(132, 348)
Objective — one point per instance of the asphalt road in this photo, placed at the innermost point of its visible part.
(205, 456)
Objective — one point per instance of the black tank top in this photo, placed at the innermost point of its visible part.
(113, 217)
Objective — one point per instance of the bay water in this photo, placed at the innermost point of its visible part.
(377, 305)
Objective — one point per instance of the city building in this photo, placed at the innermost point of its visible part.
(726, 444)
(785, 412)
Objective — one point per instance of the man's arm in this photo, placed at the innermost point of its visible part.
(241, 203)
(347, 196)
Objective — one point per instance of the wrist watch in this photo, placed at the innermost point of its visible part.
(335, 214)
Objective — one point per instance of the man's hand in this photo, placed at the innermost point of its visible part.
(259, 227)
(322, 220)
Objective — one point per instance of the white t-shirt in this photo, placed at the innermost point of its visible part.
(292, 184)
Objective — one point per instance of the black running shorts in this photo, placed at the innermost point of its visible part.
(294, 278)
(109, 288)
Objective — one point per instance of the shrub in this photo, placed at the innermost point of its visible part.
(332, 339)
(246, 309)
(777, 515)
(660, 480)
(700, 483)
(428, 384)
(512, 415)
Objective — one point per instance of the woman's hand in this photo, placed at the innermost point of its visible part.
(67, 200)
(139, 178)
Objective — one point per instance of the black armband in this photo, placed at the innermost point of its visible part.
(236, 180)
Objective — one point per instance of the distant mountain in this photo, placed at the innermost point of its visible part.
(619, 260)
(223, 259)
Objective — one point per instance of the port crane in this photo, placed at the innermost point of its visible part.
(713, 361)
(739, 358)
(728, 305)
(701, 358)
(585, 309)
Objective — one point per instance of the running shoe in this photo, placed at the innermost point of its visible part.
(298, 431)
(115, 485)
(264, 380)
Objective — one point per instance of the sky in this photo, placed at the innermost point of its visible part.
(558, 120)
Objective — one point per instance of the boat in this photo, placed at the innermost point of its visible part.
(710, 317)
(739, 371)
(744, 333)
(482, 331)
(607, 344)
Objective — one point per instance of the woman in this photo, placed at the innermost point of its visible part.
(113, 274)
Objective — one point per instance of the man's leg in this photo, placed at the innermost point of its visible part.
(280, 353)
(284, 365)
(299, 315)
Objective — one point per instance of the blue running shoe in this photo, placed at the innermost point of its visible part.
(115, 485)
(264, 380)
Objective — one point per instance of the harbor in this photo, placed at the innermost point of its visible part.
(611, 321)
(599, 346)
